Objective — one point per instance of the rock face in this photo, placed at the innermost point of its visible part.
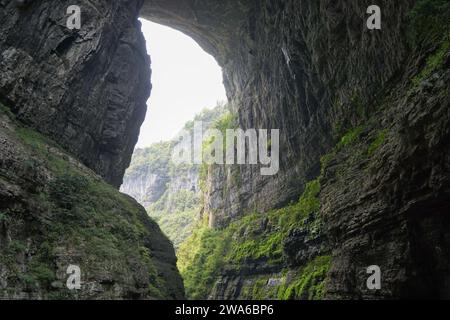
(372, 104)
(56, 213)
(87, 88)
(314, 70)
(85, 91)
(148, 176)
(298, 66)
(385, 199)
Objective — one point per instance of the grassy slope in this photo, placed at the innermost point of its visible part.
(75, 213)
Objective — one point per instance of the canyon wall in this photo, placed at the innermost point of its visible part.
(71, 105)
(171, 192)
(364, 127)
(362, 101)
(84, 88)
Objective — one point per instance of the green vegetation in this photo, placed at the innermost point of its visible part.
(325, 161)
(65, 189)
(207, 116)
(200, 259)
(267, 244)
(177, 226)
(203, 255)
(46, 151)
(310, 282)
(157, 156)
(227, 121)
(181, 200)
(377, 143)
(3, 216)
(434, 62)
(176, 216)
(350, 137)
(429, 27)
(76, 212)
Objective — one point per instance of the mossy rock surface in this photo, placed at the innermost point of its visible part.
(54, 212)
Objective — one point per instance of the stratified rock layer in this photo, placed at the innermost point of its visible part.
(87, 88)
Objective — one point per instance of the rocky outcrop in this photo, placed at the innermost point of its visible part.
(148, 176)
(323, 54)
(170, 192)
(56, 213)
(314, 70)
(375, 103)
(86, 89)
(285, 65)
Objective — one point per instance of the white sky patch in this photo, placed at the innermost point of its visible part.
(185, 81)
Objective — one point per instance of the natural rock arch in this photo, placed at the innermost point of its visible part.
(309, 68)
(285, 64)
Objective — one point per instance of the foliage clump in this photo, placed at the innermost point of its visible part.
(157, 156)
(201, 258)
(350, 137)
(256, 237)
(310, 282)
(429, 22)
(65, 189)
(76, 212)
(434, 62)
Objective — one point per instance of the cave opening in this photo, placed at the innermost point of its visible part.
(187, 85)
(185, 80)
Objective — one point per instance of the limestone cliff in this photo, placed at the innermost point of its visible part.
(55, 212)
(364, 122)
(170, 192)
(72, 101)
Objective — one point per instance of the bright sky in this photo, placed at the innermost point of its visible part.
(185, 81)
